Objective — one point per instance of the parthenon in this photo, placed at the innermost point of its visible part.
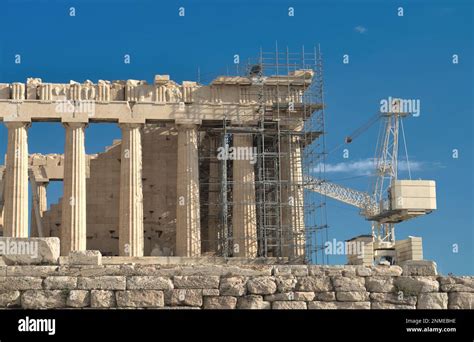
(162, 189)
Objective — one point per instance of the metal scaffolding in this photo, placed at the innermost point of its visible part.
(290, 125)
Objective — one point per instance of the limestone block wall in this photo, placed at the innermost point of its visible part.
(103, 190)
(159, 190)
(232, 287)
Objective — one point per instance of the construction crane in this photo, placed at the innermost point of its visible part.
(391, 200)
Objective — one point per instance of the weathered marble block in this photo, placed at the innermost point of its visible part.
(29, 251)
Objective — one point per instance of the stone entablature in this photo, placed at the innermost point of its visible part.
(235, 98)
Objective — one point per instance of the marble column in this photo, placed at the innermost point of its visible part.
(41, 194)
(188, 225)
(73, 226)
(214, 189)
(131, 192)
(16, 182)
(244, 213)
(292, 198)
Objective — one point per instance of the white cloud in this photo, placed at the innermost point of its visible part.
(359, 167)
(366, 167)
(360, 29)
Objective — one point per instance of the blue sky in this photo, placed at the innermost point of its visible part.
(408, 57)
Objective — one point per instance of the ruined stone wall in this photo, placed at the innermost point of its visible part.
(232, 286)
(103, 187)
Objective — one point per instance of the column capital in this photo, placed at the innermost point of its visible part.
(76, 117)
(132, 120)
(73, 125)
(129, 125)
(188, 122)
(186, 126)
(17, 124)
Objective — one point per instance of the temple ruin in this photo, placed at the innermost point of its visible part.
(208, 201)
(200, 170)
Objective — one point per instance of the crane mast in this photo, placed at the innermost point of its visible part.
(386, 172)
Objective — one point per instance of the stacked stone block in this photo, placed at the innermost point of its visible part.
(231, 287)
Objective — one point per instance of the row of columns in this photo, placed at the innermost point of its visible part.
(74, 218)
(131, 237)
